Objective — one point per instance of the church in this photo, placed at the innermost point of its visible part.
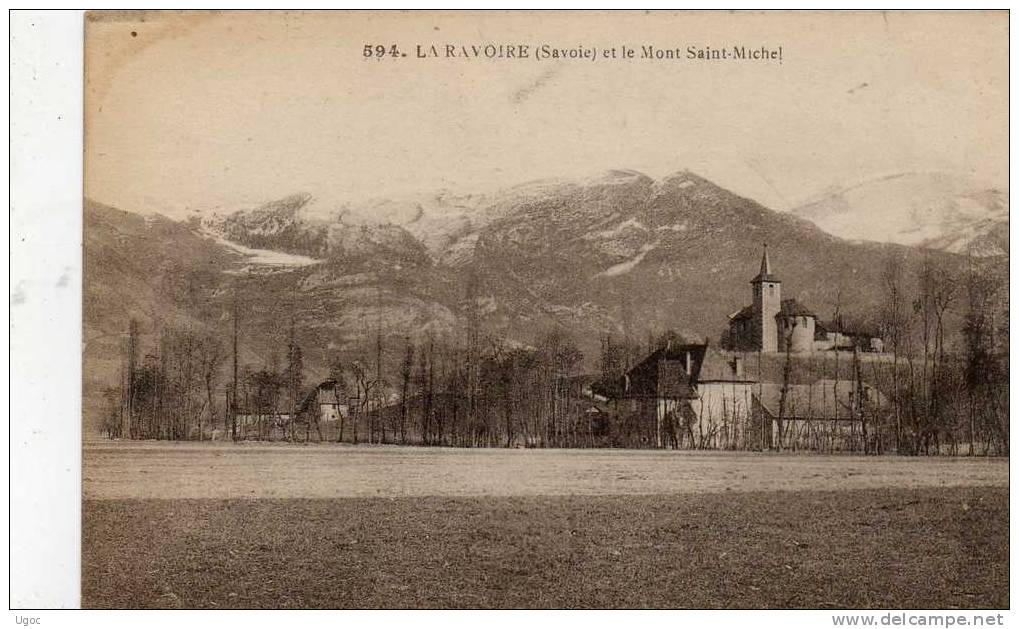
(773, 324)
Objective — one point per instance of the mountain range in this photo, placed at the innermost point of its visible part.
(934, 210)
(620, 253)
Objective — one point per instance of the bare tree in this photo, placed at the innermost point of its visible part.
(406, 367)
(130, 430)
(295, 382)
(893, 326)
(364, 386)
(983, 371)
(234, 390)
(336, 375)
(859, 406)
(379, 392)
(784, 391)
(112, 411)
(210, 356)
(936, 291)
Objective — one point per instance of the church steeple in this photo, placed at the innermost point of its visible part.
(765, 273)
(767, 304)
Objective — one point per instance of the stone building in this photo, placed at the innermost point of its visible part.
(694, 396)
(689, 395)
(774, 324)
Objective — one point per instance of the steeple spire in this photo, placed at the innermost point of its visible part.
(765, 274)
(765, 262)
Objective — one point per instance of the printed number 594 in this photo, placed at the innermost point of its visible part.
(378, 50)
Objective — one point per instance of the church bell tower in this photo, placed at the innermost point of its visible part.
(767, 303)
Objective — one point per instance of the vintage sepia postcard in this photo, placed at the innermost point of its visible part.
(559, 309)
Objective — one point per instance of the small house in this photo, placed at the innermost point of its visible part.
(323, 402)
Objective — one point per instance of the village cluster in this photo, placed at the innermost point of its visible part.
(693, 395)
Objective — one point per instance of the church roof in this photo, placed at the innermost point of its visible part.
(793, 308)
(765, 274)
(788, 308)
(746, 312)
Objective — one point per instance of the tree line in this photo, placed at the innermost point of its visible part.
(953, 392)
(944, 381)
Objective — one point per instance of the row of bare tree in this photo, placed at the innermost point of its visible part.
(473, 394)
(170, 392)
(953, 392)
(481, 393)
(944, 381)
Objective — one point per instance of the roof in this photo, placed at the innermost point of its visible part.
(747, 312)
(611, 388)
(824, 399)
(328, 396)
(717, 367)
(847, 330)
(793, 308)
(765, 274)
(788, 308)
(323, 393)
(664, 373)
(677, 351)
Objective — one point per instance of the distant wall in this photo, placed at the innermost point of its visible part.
(722, 412)
(800, 331)
(332, 412)
(842, 435)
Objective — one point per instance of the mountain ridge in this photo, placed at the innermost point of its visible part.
(925, 209)
(621, 253)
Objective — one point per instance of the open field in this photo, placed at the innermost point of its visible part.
(929, 548)
(226, 470)
(275, 525)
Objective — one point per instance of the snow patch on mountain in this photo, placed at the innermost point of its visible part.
(629, 265)
(262, 257)
(675, 227)
(932, 210)
(618, 230)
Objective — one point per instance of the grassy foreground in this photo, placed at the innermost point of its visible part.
(916, 548)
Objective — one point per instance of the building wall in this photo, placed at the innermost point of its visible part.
(767, 303)
(819, 434)
(801, 334)
(825, 344)
(332, 412)
(722, 412)
(838, 340)
(844, 342)
(742, 335)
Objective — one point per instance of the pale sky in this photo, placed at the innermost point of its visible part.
(205, 111)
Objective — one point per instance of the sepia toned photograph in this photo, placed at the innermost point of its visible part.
(546, 310)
